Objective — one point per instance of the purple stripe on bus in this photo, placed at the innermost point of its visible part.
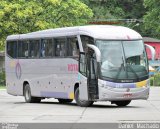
(54, 94)
(121, 85)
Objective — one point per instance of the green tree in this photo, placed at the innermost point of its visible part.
(105, 9)
(22, 16)
(121, 9)
(134, 9)
(152, 17)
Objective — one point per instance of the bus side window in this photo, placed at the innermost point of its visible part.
(12, 49)
(34, 47)
(60, 47)
(72, 47)
(43, 45)
(23, 49)
(47, 48)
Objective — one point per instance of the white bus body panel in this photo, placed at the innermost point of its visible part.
(47, 77)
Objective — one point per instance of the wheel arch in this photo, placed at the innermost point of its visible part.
(76, 86)
(24, 84)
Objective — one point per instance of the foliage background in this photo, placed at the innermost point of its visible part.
(22, 16)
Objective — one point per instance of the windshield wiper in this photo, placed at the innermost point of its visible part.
(129, 66)
(125, 69)
(120, 69)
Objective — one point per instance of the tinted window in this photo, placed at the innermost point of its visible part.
(47, 48)
(23, 49)
(34, 49)
(12, 48)
(86, 40)
(72, 47)
(60, 47)
(82, 62)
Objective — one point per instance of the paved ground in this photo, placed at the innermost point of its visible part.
(14, 109)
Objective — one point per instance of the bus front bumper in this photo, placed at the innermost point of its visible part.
(107, 93)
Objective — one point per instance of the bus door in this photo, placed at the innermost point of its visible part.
(88, 68)
(92, 79)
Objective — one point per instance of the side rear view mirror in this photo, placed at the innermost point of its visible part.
(152, 51)
(97, 52)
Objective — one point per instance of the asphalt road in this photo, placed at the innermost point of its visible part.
(14, 109)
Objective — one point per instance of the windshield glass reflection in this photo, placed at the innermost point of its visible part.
(123, 59)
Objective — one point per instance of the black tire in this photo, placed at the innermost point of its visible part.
(63, 101)
(28, 97)
(122, 103)
(82, 103)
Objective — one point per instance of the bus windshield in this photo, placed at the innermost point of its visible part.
(122, 60)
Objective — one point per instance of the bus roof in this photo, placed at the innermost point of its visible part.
(108, 32)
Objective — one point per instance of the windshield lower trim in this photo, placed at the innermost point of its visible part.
(124, 80)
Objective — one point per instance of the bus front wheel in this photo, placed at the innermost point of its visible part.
(122, 103)
(82, 103)
(28, 97)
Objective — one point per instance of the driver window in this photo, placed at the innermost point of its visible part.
(86, 40)
(82, 62)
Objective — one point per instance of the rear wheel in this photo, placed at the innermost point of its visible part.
(28, 97)
(63, 101)
(122, 103)
(82, 103)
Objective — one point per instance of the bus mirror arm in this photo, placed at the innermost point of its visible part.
(97, 52)
(152, 51)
